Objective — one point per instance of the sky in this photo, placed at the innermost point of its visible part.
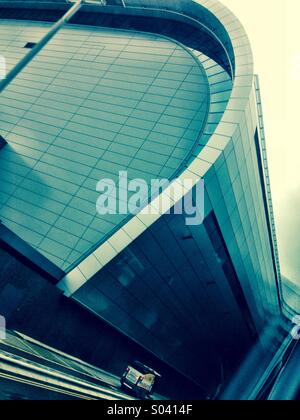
(274, 30)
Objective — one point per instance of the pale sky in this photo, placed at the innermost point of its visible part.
(273, 27)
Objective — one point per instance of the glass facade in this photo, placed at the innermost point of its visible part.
(162, 296)
(92, 103)
(196, 297)
(14, 35)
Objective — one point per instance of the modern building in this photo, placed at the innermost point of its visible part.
(159, 89)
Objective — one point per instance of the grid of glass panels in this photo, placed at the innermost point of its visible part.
(92, 103)
(234, 189)
(14, 35)
(163, 296)
(220, 86)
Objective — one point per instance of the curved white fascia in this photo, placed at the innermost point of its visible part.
(235, 114)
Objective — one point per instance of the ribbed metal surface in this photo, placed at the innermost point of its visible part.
(92, 103)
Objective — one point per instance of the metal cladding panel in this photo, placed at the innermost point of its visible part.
(92, 103)
(167, 286)
(14, 35)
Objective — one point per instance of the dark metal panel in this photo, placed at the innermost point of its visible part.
(32, 258)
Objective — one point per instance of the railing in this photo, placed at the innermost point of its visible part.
(98, 2)
(38, 47)
(101, 2)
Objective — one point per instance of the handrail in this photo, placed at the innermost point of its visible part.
(40, 45)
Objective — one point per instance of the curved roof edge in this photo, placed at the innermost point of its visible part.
(233, 116)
